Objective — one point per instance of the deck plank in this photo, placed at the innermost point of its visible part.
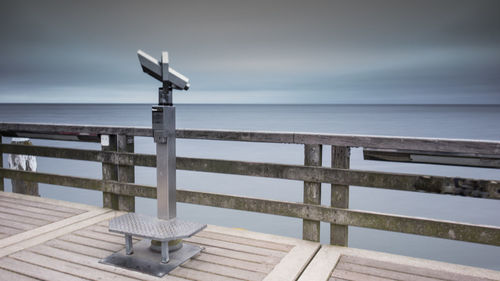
(224, 270)
(200, 275)
(239, 255)
(27, 214)
(382, 272)
(78, 248)
(245, 241)
(21, 225)
(36, 271)
(348, 275)
(36, 222)
(47, 206)
(37, 210)
(92, 262)
(63, 226)
(9, 275)
(99, 244)
(418, 271)
(235, 246)
(253, 266)
(67, 267)
(9, 230)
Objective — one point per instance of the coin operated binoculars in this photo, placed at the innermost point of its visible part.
(162, 249)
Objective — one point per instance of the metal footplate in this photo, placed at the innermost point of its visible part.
(139, 257)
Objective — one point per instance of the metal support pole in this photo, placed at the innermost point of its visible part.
(164, 252)
(164, 136)
(340, 195)
(312, 191)
(128, 244)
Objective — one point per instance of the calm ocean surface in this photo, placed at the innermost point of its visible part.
(470, 122)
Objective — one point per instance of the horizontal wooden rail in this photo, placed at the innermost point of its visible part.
(424, 157)
(435, 228)
(395, 181)
(384, 142)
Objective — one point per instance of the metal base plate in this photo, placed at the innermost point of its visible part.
(146, 261)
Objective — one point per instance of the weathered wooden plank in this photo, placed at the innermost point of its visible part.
(236, 255)
(342, 177)
(414, 270)
(224, 270)
(396, 181)
(87, 233)
(292, 265)
(48, 228)
(17, 224)
(86, 183)
(339, 198)
(40, 235)
(385, 142)
(92, 262)
(60, 209)
(26, 214)
(356, 276)
(99, 244)
(236, 246)
(322, 265)
(78, 248)
(245, 241)
(63, 266)
(53, 202)
(436, 158)
(35, 271)
(236, 263)
(109, 157)
(36, 222)
(313, 156)
(9, 275)
(9, 230)
(384, 273)
(199, 275)
(412, 225)
(15, 206)
(7, 129)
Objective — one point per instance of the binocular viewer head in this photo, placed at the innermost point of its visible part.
(161, 71)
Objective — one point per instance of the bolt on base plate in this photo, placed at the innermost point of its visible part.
(145, 260)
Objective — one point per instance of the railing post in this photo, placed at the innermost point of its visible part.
(340, 195)
(312, 191)
(109, 171)
(24, 163)
(2, 187)
(126, 173)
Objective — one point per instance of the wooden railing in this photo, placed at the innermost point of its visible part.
(119, 190)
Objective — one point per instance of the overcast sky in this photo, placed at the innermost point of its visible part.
(253, 51)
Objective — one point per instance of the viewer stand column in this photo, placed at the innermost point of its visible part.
(312, 191)
(340, 195)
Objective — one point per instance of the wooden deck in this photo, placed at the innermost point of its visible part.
(44, 239)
